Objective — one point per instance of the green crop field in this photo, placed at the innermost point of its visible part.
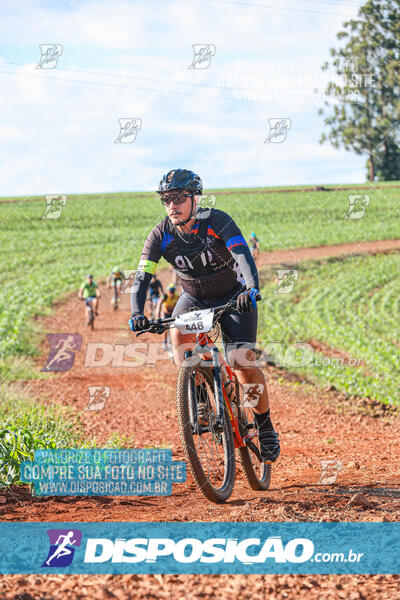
(350, 306)
(42, 258)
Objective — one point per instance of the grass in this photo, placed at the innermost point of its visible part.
(27, 425)
(14, 368)
(347, 308)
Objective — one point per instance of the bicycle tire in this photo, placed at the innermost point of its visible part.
(213, 494)
(91, 318)
(255, 482)
(115, 300)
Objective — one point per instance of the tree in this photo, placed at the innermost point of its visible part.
(387, 162)
(366, 117)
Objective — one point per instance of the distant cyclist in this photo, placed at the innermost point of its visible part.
(115, 280)
(215, 265)
(254, 246)
(90, 293)
(165, 308)
(155, 291)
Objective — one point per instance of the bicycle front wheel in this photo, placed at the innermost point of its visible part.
(208, 446)
(91, 317)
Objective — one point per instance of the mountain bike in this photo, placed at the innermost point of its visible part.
(213, 412)
(89, 312)
(115, 300)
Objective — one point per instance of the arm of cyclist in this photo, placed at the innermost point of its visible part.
(160, 287)
(151, 254)
(237, 246)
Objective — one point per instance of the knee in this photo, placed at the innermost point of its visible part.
(243, 359)
(181, 344)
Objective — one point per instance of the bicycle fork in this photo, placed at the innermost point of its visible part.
(216, 369)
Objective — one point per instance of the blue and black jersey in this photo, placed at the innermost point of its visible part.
(211, 261)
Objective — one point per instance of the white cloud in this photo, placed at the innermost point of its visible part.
(119, 60)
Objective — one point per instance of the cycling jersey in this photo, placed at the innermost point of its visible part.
(89, 289)
(254, 242)
(212, 260)
(117, 276)
(169, 303)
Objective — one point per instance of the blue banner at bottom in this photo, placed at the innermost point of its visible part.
(246, 548)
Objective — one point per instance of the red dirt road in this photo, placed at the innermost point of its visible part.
(142, 404)
(320, 252)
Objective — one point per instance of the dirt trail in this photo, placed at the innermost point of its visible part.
(319, 252)
(142, 404)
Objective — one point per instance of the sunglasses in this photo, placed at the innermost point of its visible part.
(177, 199)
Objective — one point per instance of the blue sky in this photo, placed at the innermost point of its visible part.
(126, 59)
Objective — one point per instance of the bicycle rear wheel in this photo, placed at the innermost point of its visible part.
(91, 319)
(258, 473)
(209, 449)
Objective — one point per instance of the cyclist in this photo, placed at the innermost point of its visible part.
(254, 246)
(155, 287)
(90, 293)
(214, 263)
(165, 308)
(115, 280)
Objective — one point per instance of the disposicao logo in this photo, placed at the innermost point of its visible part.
(62, 542)
(189, 550)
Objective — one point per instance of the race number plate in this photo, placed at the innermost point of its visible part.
(198, 321)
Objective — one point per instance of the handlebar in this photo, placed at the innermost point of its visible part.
(160, 325)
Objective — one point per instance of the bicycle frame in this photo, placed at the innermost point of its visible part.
(204, 345)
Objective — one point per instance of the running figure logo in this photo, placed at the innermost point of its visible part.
(286, 280)
(357, 206)
(61, 550)
(54, 206)
(62, 351)
(278, 129)
(97, 397)
(129, 285)
(128, 129)
(252, 393)
(50, 54)
(206, 203)
(203, 54)
(329, 471)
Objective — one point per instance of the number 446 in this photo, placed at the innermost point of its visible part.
(195, 326)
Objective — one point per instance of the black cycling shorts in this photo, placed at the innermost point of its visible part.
(237, 330)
